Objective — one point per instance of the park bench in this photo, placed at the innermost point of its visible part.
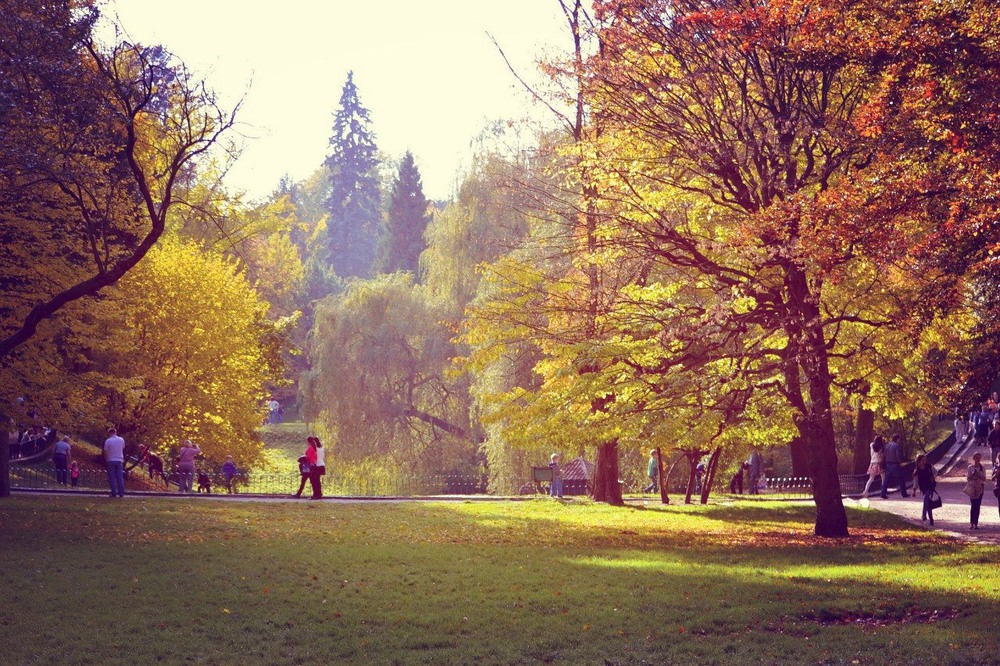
(540, 475)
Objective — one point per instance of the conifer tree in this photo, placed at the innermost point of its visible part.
(354, 200)
(404, 235)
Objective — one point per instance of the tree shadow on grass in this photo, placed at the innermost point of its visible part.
(508, 584)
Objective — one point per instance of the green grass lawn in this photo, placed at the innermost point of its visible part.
(138, 581)
(283, 444)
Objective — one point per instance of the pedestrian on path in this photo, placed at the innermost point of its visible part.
(982, 423)
(960, 430)
(974, 488)
(927, 482)
(229, 472)
(185, 465)
(114, 459)
(876, 464)
(305, 469)
(61, 458)
(318, 469)
(652, 471)
(893, 468)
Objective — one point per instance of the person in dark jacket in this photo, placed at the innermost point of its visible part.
(305, 470)
(975, 488)
(736, 483)
(893, 468)
(983, 423)
(927, 483)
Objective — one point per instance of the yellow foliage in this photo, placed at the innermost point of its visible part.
(179, 349)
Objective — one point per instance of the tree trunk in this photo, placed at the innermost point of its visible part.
(831, 518)
(692, 473)
(864, 433)
(606, 485)
(4, 463)
(799, 451)
(706, 484)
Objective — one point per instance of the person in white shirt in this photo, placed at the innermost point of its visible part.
(316, 455)
(114, 459)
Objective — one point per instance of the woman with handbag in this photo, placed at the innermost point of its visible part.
(926, 481)
(976, 486)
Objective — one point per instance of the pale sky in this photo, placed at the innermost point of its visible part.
(426, 70)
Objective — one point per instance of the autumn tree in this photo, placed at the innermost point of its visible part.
(95, 139)
(159, 357)
(354, 203)
(486, 221)
(735, 159)
(403, 240)
(379, 383)
(552, 293)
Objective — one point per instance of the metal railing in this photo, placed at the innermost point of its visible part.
(285, 484)
(44, 478)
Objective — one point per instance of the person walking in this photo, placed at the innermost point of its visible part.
(893, 468)
(927, 483)
(974, 488)
(304, 472)
(318, 469)
(652, 471)
(876, 463)
(983, 423)
(185, 465)
(61, 458)
(114, 460)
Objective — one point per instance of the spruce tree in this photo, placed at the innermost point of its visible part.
(403, 240)
(354, 201)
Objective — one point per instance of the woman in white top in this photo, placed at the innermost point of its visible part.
(317, 458)
(876, 465)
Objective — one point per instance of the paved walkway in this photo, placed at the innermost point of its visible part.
(953, 517)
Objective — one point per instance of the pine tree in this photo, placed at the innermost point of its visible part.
(404, 235)
(354, 202)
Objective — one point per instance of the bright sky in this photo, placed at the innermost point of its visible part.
(425, 69)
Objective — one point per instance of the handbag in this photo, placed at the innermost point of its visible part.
(971, 489)
(934, 500)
